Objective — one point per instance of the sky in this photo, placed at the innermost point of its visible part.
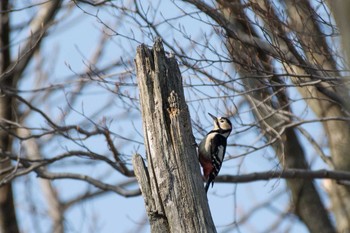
(70, 45)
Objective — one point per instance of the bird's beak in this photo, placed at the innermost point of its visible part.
(212, 116)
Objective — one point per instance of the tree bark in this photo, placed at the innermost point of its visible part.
(8, 220)
(171, 185)
(54, 206)
(340, 10)
(340, 195)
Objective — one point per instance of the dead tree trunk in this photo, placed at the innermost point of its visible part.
(171, 184)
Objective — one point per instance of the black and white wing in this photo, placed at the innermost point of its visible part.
(218, 149)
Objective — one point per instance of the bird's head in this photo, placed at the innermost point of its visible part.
(222, 124)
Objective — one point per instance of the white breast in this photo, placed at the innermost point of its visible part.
(205, 147)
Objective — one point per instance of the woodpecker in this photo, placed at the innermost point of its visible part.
(211, 149)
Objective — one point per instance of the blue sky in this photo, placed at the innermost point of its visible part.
(70, 45)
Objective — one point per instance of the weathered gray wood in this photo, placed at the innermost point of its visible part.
(157, 219)
(171, 185)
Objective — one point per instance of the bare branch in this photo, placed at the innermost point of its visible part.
(98, 184)
(286, 174)
(39, 26)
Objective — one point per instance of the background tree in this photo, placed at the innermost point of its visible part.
(70, 117)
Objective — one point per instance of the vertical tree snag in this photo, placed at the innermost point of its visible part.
(171, 185)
